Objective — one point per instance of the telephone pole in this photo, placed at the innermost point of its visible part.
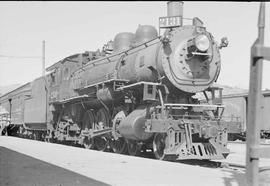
(253, 150)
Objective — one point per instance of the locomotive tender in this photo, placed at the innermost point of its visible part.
(134, 95)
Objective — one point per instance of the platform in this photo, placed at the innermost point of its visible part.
(17, 169)
(238, 154)
(123, 170)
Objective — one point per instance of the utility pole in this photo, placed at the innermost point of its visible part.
(43, 58)
(253, 149)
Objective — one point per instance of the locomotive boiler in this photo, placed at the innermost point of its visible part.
(137, 94)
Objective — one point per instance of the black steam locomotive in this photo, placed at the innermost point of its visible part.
(137, 94)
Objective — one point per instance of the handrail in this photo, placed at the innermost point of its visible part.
(118, 53)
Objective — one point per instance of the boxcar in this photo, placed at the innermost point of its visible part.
(26, 106)
(237, 106)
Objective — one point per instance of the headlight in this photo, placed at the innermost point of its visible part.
(202, 42)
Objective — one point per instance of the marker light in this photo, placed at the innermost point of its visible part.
(202, 42)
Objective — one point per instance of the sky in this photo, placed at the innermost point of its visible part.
(74, 27)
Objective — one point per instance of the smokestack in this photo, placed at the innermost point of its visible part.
(43, 58)
(175, 8)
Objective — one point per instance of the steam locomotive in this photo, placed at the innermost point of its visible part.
(135, 95)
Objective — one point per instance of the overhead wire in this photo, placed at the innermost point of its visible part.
(21, 57)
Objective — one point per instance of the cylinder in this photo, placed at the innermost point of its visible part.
(175, 8)
(133, 126)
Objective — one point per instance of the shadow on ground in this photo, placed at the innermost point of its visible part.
(19, 169)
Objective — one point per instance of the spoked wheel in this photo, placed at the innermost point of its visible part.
(119, 146)
(116, 121)
(134, 149)
(103, 119)
(101, 143)
(118, 143)
(88, 142)
(87, 124)
(159, 144)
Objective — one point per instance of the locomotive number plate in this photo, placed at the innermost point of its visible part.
(169, 22)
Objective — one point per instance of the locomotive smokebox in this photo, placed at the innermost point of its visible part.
(175, 8)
